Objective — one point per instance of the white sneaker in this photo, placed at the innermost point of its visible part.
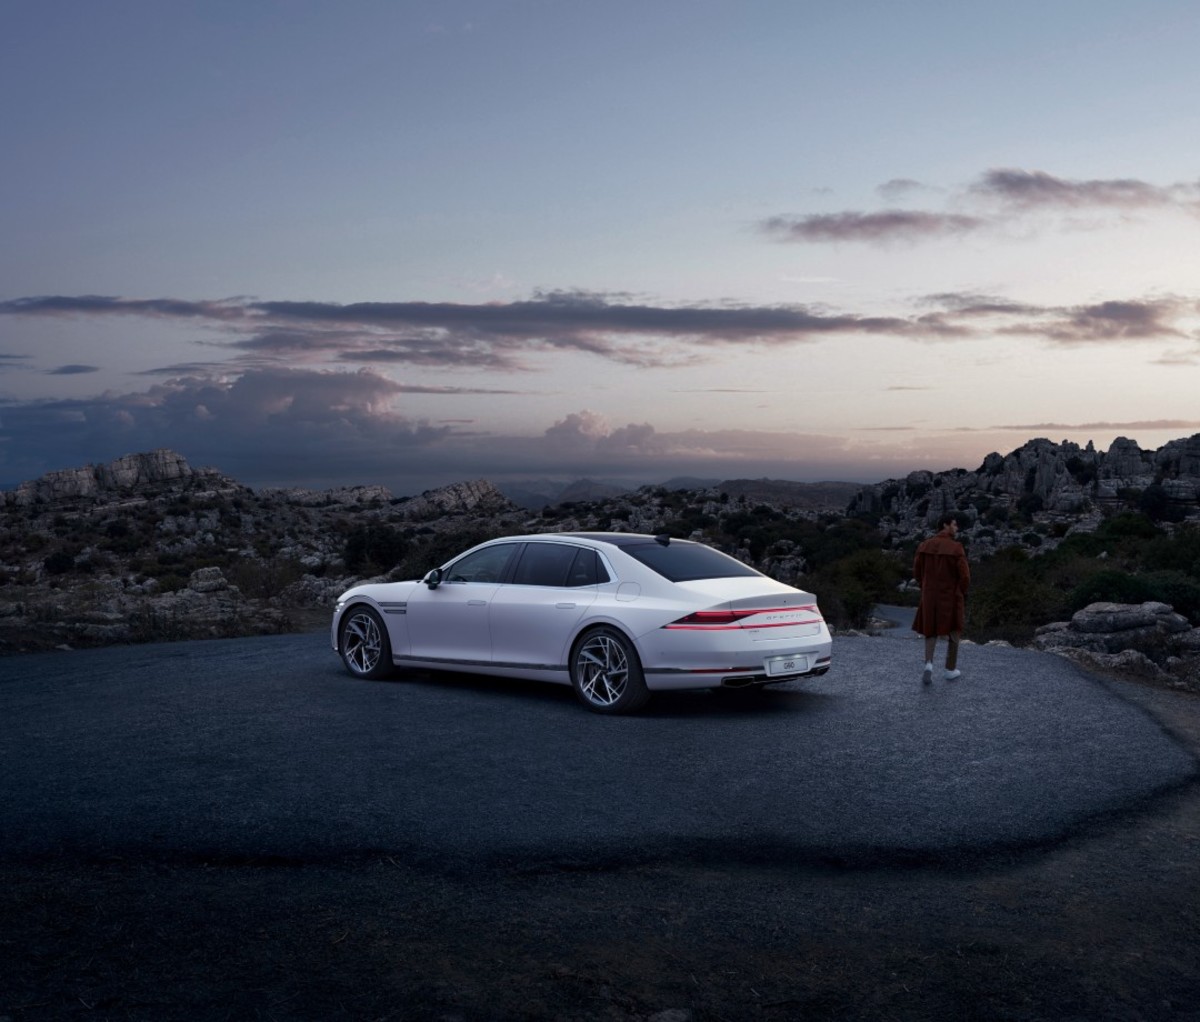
(951, 675)
(927, 675)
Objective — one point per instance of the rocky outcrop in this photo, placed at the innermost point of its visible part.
(148, 547)
(1041, 487)
(1151, 628)
(126, 475)
(348, 496)
(478, 497)
(110, 611)
(1147, 640)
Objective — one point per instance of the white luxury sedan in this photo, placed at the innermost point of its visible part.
(615, 615)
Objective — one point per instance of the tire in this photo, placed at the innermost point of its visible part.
(606, 673)
(364, 645)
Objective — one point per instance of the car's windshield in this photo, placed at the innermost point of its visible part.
(687, 562)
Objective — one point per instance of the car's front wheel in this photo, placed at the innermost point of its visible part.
(606, 673)
(363, 642)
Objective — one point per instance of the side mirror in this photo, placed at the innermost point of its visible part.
(433, 579)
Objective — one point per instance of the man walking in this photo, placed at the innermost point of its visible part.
(941, 571)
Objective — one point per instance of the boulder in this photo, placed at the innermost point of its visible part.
(1152, 629)
(207, 580)
(1125, 617)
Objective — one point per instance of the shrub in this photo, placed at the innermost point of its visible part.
(1128, 524)
(58, 563)
(1008, 600)
(373, 546)
(263, 579)
(1111, 587)
(1180, 552)
(849, 588)
(1181, 591)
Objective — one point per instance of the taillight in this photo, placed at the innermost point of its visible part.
(767, 617)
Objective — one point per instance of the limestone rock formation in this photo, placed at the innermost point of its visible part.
(349, 496)
(476, 497)
(1148, 640)
(1040, 483)
(128, 474)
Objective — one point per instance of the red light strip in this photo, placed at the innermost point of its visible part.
(724, 620)
(725, 628)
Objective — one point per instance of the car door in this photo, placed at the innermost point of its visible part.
(535, 613)
(449, 623)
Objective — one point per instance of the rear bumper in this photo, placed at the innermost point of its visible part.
(665, 678)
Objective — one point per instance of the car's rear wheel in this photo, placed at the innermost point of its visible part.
(363, 642)
(606, 673)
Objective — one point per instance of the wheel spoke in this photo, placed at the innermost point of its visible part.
(603, 670)
(362, 643)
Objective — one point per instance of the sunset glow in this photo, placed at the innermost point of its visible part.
(422, 242)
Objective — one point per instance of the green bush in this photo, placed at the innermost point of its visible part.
(848, 589)
(1178, 552)
(1180, 590)
(373, 548)
(1009, 600)
(1111, 587)
(1128, 525)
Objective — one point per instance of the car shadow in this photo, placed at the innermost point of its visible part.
(734, 703)
(716, 703)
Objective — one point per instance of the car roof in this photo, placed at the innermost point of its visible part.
(617, 539)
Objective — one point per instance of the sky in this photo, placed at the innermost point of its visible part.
(414, 243)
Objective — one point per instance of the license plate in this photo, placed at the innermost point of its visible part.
(777, 665)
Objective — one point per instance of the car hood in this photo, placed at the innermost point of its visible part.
(378, 591)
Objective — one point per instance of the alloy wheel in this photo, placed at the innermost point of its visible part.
(602, 667)
(362, 644)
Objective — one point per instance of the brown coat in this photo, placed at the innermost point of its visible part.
(940, 568)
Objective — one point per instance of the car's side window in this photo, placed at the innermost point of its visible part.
(544, 564)
(586, 570)
(486, 565)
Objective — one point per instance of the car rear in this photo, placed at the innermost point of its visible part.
(751, 640)
(721, 623)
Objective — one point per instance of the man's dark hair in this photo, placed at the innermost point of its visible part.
(947, 518)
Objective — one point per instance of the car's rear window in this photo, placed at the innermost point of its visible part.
(687, 562)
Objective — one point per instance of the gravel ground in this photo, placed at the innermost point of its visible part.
(1101, 924)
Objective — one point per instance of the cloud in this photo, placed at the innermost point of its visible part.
(264, 424)
(887, 225)
(300, 427)
(1028, 189)
(318, 428)
(72, 370)
(1104, 426)
(1147, 319)
(1178, 358)
(899, 187)
(1112, 321)
(998, 198)
(503, 336)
